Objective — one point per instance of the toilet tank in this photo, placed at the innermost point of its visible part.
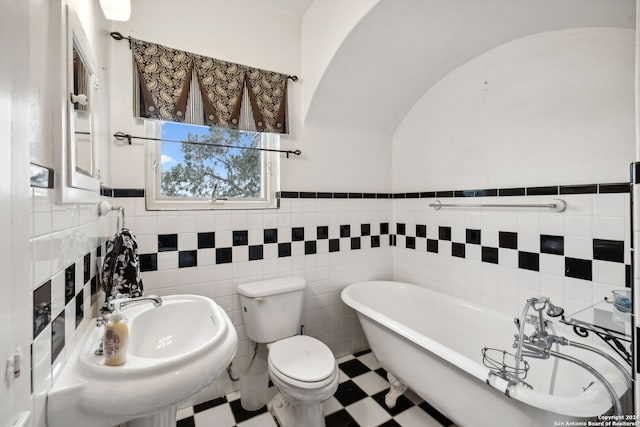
(272, 309)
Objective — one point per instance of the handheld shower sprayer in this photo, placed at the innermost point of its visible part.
(554, 310)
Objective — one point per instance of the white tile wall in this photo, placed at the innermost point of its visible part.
(504, 286)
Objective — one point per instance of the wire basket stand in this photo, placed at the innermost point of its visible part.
(503, 364)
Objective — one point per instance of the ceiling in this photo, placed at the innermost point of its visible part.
(297, 7)
(401, 48)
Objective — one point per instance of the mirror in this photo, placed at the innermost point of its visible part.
(81, 178)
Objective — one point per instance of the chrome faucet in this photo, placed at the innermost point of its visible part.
(123, 302)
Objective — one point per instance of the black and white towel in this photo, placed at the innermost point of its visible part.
(121, 267)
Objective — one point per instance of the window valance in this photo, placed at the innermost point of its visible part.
(175, 85)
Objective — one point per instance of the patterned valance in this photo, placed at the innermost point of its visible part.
(164, 87)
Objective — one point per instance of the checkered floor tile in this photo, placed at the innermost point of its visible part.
(358, 402)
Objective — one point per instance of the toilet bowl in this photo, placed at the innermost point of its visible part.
(305, 373)
(302, 368)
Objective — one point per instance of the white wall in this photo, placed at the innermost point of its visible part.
(552, 108)
(245, 40)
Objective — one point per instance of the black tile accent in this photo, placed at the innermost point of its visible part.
(186, 422)
(340, 195)
(402, 404)
(284, 250)
(353, 368)
(87, 268)
(635, 172)
(79, 308)
(410, 242)
(148, 262)
(428, 194)
(508, 240)
(362, 352)
(464, 193)
(310, 247)
(271, 235)
(167, 242)
(608, 250)
(99, 251)
(622, 187)
(287, 195)
(412, 195)
(307, 195)
(421, 230)
(334, 245)
(355, 195)
(390, 423)
(355, 243)
(516, 191)
(382, 196)
(69, 283)
(57, 336)
(529, 261)
(128, 192)
(627, 276)
(458, 250)
(399, 196)
(240, 238)
(209, 404)
(550, 190)
(369, 195)
(241, 414)
(206, 240)
(487, 192)
(444, 233)
(41, 307)
(444, 193)
(322, 232)
(401, 229)
(297, 234)
(340, 418)
(473, 236)
(224, 255)
(392, 239)
(489, 255)
(551, 244)
(579, 189)
(187, 259)
(255, 252)
(432, 246)
(441, 418)
(365, 229)
(345, 231)
(325, 195)
(106, 191)
(578, 268)
(384, 228)
(382, 372)
(94, 287)
(348, 392)
(375, 241)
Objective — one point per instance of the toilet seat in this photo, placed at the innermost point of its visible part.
(302, 361)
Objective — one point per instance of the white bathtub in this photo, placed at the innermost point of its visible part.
(432, 343)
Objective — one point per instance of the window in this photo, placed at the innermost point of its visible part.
(197, 175)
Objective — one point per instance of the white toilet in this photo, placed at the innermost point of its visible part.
(302, 368)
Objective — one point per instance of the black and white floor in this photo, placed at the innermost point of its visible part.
(358, 402)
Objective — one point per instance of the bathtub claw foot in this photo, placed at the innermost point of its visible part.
(396, 390)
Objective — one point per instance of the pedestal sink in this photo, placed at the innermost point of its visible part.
(175, 351)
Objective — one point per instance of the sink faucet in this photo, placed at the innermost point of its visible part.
(123, 302)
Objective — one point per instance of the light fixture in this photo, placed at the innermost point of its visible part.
(116, 10)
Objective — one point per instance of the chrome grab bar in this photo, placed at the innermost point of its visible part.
(559, 205)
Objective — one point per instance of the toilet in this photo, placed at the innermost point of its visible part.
(302, 368)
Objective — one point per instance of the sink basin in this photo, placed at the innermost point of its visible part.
(175, 350)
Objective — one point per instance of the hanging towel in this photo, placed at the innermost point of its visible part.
(121, 267)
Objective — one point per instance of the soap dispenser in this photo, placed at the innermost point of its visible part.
(116, 338)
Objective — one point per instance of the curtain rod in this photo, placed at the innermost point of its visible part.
(118, 36)
(121, 136)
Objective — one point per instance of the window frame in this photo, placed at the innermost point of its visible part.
(154, 202)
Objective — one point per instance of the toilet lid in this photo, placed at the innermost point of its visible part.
(302, 358)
